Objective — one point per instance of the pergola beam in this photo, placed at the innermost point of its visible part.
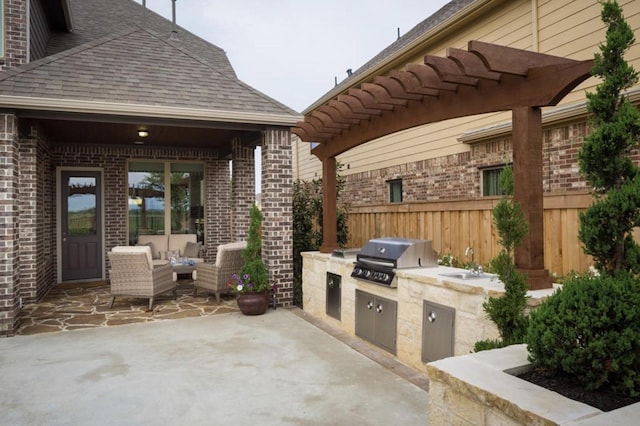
(485, 78)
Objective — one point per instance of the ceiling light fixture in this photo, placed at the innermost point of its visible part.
(143, 133)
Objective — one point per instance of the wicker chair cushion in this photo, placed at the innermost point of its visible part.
(224, 251)
(136, 249)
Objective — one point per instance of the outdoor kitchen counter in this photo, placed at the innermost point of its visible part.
(415, 286)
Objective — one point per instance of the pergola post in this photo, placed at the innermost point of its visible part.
(528, 192)
(329, 196)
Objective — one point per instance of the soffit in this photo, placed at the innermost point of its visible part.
(93, 129)
(484, 78)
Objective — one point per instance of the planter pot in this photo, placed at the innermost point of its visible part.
(253, 303)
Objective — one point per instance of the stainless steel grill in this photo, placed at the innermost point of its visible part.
(379, 259)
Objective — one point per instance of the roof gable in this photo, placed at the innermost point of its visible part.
(95, 19)
(136, 66)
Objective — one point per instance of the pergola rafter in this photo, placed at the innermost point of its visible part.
(484, 78)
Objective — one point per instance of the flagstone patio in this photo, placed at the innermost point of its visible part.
(86, 305)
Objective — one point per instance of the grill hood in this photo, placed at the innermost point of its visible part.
(399, 253)
(380, 257)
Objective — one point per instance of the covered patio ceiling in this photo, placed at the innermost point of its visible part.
(161, 133)
(484, 78)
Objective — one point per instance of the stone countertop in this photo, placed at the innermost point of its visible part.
(488, 284)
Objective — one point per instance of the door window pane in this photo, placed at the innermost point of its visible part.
(81, 206)
(187, 204)
(154, 196)
(146, 199)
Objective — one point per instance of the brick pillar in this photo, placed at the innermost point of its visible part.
(217, 206)
(243, 189)
(9, 244)
(28, 222)
(277, 211)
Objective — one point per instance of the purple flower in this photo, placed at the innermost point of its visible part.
(245, 277)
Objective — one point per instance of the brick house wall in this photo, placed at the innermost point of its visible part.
(458, 176)
(113, 161)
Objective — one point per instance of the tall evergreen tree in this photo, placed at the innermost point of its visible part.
(605, 227)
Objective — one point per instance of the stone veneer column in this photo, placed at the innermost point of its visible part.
(9, 244)
(242, 189)
(277, 211)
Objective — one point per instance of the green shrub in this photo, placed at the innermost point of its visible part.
(507, 312)
(307, 223)
(485, 345)
(590, 330)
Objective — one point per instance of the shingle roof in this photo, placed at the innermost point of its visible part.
(110, 57)
(136, 66)
(95, 19)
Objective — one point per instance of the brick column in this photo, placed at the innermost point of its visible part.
(243, 189)
(217, 206)
(277, 211)
(28, 222)
(9, 244)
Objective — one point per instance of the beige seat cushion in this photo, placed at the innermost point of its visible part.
(179, 241)
(160, 244)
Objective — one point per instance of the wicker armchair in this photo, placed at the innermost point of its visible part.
(132, 274)
(214, 277)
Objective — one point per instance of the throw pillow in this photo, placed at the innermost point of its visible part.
(154, 253)
(192, 249)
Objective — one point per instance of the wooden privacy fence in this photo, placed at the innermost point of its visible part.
(455, 225)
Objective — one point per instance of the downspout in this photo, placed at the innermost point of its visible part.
(28, 20)
(535, 26)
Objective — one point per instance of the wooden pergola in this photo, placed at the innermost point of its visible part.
(484, 78)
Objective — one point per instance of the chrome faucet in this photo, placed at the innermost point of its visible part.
(476, 270)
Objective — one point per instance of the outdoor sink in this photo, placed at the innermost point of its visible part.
(462, 275)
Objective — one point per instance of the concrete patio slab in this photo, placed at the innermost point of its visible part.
(273, 369)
